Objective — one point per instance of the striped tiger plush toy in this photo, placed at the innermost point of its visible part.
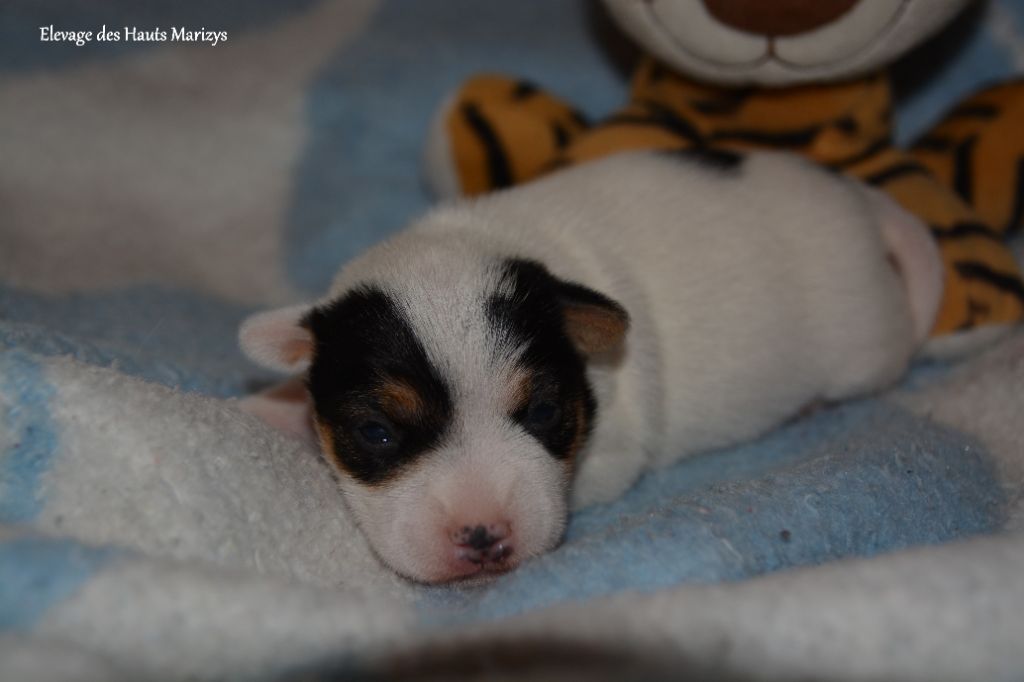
(821, 91)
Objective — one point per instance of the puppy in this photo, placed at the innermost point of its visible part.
(509, 357)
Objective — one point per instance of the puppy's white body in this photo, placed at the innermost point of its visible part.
(752, 292)
(752, 287)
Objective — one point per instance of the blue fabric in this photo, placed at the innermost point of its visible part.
(37, 572)
(365, 138)
(853, 481)
(176, 338)
(27, 419)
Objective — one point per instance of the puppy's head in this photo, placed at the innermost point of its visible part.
(453, 406)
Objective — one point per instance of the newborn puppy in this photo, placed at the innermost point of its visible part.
(507, 357)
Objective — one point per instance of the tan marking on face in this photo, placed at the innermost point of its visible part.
(580, 437)
(520, 390)
(327, 444)
(400, 400)
(328, 450)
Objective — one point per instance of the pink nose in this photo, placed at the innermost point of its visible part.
(482, 543)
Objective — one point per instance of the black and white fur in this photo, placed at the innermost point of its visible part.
(472, 378)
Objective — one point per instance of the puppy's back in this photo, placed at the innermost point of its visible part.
(755, 285)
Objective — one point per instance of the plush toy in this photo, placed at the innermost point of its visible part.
(800, 75)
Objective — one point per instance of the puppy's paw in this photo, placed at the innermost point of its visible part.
(603, 476)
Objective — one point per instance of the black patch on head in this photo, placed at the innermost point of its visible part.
(362, 342)
(561, 405)
(710, 157)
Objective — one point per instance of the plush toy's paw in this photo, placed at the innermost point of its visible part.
(496, 132)
(604, 475)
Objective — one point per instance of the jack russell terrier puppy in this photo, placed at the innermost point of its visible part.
(510, 357)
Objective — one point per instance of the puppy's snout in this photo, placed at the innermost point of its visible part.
(482, 543)
(480, 536)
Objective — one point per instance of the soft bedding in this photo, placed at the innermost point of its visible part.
(153, 193)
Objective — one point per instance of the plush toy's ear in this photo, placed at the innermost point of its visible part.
(596, 324)
(278, 339)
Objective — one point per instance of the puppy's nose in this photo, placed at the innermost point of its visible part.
(483, 543)
(480, 537)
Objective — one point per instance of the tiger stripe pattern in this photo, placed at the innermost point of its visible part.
(964, 178)
(976, 151)
(507, 131)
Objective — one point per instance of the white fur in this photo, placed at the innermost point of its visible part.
(487, 470)
(751, 293)
(916, 253)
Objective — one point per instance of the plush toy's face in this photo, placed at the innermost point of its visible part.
(780, 42)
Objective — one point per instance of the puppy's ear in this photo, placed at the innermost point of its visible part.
(285, 406)
(596, 324)
(278, 339)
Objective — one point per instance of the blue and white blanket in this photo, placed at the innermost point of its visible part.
(153, 193)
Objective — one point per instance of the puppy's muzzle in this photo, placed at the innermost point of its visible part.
(483, 544)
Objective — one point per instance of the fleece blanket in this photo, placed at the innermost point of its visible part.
(154, 191)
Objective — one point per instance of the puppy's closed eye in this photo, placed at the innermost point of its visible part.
(376, 435)
(535, 403)
(542, 414)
